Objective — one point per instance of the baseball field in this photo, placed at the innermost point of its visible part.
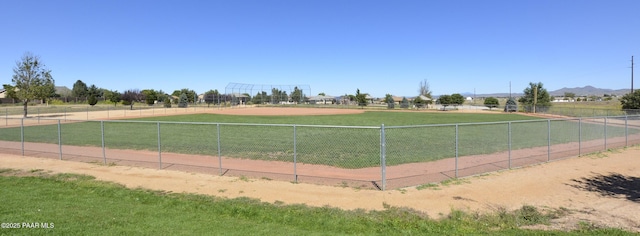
(571, 193)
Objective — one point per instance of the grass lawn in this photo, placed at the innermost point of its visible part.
(587, 109)
(410, 136)
(80, 205)
(369, 118)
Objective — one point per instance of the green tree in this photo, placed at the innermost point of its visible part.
(49, 91)
(92, 100)
(361, 98)
(80, 89)
(352, 98)
(535, 96)
(31, 80)
(150, 96)
(569, 95)
(491, 102)
(511, 105)
(419, 102)
(404, 103)
(183, 101)
(457, 99)
(94, 92)
(161, 95)
(389, 100)
(191, 95)
(167, 102)
(297, 96)
(260, 98)
(10, 90)
(445, 101)
(631, 100)
(278, 95)
(113, 96)
(212, 96)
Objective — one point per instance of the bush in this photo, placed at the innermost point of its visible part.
(53, 102)
(184, 101)
(92, 100)
(511, 105)
(418, 102)
(631, 100)
(167, 102)
(390, 103)
(405, 103)
(491, 102)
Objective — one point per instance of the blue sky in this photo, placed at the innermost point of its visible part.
(334, 46)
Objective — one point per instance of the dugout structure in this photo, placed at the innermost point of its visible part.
(267, 94)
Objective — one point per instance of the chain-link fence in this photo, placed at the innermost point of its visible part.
(356, 156)
(578, 111)
(83, 112)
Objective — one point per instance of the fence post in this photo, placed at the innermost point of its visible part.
(580, 136)
(59, 140)
(87, 113)
(159, 147)
(509, 137)
(605, 133)
(548, 139)
(295, 156)
(104, 155)
(6, 116)
(383, 157)
(219, 151)
(22, 135)
(456, 150)
(626, 130)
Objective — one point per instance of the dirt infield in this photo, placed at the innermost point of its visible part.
(600, 189)
(261, 111)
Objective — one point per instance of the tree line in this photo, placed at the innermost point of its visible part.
(31, 80)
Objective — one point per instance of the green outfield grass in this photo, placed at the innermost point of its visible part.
(73, 204)
(410, 136)
(587, 109)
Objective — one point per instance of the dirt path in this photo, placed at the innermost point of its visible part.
(580, 184)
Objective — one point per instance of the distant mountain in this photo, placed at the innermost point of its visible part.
(578, 91)
(587, 91)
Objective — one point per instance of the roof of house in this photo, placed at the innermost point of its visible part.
(239, 95)
(319, 97)
(425, 98)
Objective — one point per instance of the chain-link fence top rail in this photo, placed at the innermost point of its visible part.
(80, 112)
(364, 151)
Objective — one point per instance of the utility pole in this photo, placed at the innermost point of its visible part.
(631, 74)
